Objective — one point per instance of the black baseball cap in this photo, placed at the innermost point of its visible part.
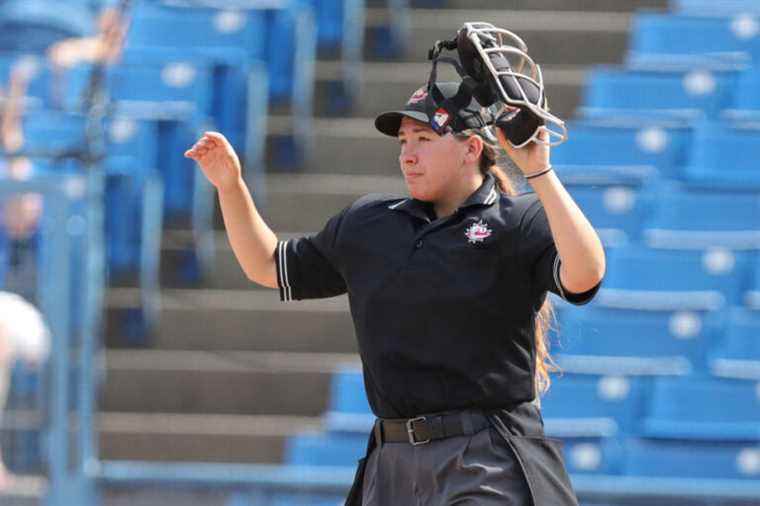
(424, 109)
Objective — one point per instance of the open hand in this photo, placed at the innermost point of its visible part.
(217, 159)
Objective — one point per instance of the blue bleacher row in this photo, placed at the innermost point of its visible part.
(610, 424)
(661, 373)
(188, 66)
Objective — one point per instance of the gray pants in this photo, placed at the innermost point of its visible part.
(478, 469)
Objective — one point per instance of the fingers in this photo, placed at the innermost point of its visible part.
(216, 137)
(209, 141)
(503, 142)
(543, 135)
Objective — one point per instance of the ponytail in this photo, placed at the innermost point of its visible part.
(544, 363)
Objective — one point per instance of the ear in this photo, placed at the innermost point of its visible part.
(474, 149)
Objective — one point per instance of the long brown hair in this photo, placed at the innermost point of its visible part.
(545, 317)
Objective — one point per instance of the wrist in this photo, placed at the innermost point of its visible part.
(538, 172)
(232, 186)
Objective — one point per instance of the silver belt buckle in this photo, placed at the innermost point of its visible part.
(410, 431)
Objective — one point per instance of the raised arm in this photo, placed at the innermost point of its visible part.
(578, 245)
(252, 240)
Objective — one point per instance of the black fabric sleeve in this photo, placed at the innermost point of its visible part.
(309, 267)
(540, 256)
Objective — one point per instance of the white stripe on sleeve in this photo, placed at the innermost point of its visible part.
(557, 280)
(285, 291)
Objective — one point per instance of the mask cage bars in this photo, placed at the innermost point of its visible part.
(478, 32)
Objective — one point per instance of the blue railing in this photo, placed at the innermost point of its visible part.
(70, 222)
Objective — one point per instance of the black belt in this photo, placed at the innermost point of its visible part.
(423, 429)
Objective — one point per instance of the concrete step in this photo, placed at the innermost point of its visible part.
(306, 201)
(226, 271)
(387, 86)
(169, 437)
(311, 197)
(255, 320)
(547, 5)
(553, 37)
(346, 146)
(338, 142)
(151, 495)
(288, 201)
(220, 382)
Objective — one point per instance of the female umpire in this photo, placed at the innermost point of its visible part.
(448, 293)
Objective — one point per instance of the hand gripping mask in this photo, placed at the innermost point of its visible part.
(497, 71)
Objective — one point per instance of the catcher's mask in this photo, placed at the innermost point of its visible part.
(496, 70)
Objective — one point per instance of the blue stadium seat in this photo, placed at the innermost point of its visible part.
(340, 29)
(239, 98)
(4, 252)
(325, 449)
(333, 17)
(265, 34)
(725, 156)
(709, 7)
(39, 84)
(347, 392)
(136, 138)
(692, 459)
(26, 391)
(239, 91)
(56, 134)
(615, 211)
(589, 455)
(593, 405)
(53, 133)
(738, 355)
(163, 85)
(178, 96)
(305, 499)
(651, 279)
(673, 35)
(746, 96)
(620, 341)
(589, 447)
(703, 217)
(190, 28)
(283, 37)
(348, 410)
(390, 40)
(587, 433)
(133, 192)
(32, 25)
(713, 409)
(752, 297)
(658, 93)
(664, 146)
(616, 199)
(46, 89)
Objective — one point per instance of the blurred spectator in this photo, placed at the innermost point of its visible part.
(20, 214)
(23, 336)
(68, 33)
(36, 25)
(104, 46)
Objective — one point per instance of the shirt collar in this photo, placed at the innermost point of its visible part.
(486, 195)
(415, 207)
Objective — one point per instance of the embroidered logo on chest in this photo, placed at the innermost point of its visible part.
(477, 232)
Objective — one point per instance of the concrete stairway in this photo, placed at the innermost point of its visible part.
(233, 371)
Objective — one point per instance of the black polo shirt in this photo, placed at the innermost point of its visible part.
(444, 309)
